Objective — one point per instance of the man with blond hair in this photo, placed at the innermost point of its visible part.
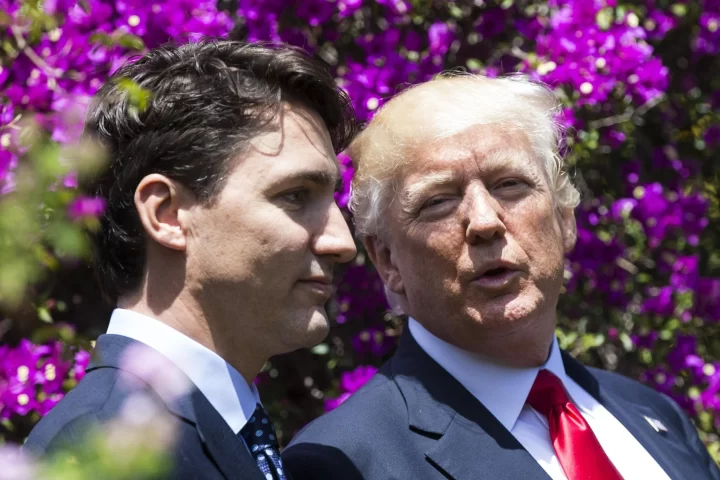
(462, 202)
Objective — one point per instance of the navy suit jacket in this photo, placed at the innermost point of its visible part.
(414, 421)
(205, 448)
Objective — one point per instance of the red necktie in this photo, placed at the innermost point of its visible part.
(575, 444)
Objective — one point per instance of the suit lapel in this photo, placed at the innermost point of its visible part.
(230, 454)
(633, 418)
(468, 451)
(471, 442)
(225, 448)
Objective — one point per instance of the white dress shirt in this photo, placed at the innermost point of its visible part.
(503, 391)
(222, 385)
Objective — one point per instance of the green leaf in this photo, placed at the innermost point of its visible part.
(46, 258)
(44, 315)
(102, 38)
(604, 18)
(646, 356)
(473, 64)
(132, 42)
(679, 9)
(5, 19)
(68, 240)
(137, 96)
(626, 341)
(8, 425)
(455, 11)
(15, 276)
(47, 162)
(566, 340)
(592, 340)
(321, 349)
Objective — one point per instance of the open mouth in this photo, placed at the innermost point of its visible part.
(496, 272)
(498, 278)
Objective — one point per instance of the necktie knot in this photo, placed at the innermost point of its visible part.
(259, 430)
(547, 392)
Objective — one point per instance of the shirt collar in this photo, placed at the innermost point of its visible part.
(503, 390)
(223, 386)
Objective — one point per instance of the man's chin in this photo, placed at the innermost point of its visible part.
(511, 308)
(318, 328)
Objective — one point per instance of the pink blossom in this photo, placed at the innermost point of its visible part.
(83, 207)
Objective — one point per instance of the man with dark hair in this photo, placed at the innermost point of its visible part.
(217, 243)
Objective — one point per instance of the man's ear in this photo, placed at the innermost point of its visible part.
(160, 203)
(382, 257)
(568, 227)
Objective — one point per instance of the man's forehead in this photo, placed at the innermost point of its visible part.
(293, 124)
(482, 137)
(317, 168)
(311, 165)
(483, 146)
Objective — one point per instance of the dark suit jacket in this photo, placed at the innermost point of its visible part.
(414, 421)
(205, 448)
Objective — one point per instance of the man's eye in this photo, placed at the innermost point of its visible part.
(296, 196)
(510, 183)
(434, 202)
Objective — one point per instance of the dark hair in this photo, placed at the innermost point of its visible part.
(206, 99)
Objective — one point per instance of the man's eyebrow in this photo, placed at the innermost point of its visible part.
(315, 176)
(414, 192)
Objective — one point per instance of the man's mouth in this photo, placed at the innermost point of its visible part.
(497, 278)
(495, 272)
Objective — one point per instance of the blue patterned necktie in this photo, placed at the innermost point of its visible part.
(259, 436)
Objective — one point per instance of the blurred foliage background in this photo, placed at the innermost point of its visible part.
(642, 112)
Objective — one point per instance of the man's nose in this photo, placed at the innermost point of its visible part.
(482, 220)
(335, 240)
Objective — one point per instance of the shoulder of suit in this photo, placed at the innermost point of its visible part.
(82, 406)
(365, 411)
(96, 399)
(638, 393)
(620, 383)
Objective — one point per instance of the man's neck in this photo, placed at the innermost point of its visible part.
(186, 317)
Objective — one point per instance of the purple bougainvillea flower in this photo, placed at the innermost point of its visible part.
(82, 360)
(440, 36)
(83, 207)
(348, 7)
(660, 303)
(315, 12)
(707, 299)
(353, 380)
(53, 370)
(333, 403)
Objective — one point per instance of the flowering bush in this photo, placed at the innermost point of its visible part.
(643, 128)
